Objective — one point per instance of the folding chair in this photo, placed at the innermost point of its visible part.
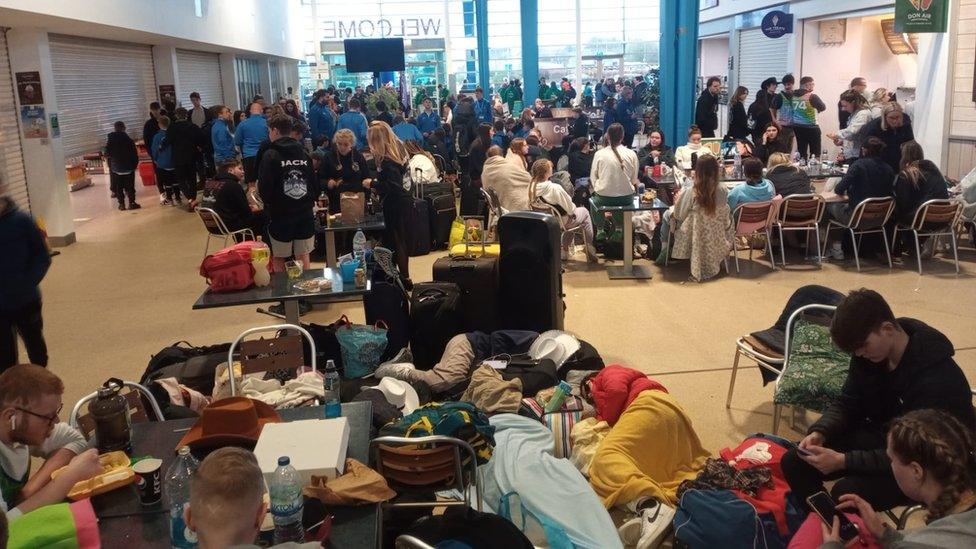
(754, 219)
(870, 216)
(797, 314)
(800, 212)
(217, 228)
(934, 218)
(137, 397)
(423, 466)
(283, 352)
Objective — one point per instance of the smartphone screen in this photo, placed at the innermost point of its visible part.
(824, 505)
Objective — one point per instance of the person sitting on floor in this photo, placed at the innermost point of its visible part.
(703, 232)
(756, 188)
(786, 178)
(508, 178)
(933, 460)
(225, 194)
(544, 192)
(30, 401)
(227, 504)
(897, 366)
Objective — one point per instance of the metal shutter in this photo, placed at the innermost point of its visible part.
(11, 156)
(759, 58)
(99, 82)
(200, 72)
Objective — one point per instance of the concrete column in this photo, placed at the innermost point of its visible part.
(228, 80)
(679, 55)
(43, 158)
(164, 65)
(530, 51)
(264, 74)
(481, 25)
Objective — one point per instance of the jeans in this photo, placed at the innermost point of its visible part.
(186, 180)
(28, 323)
(580, 217)
(807, 140)
(124, 186)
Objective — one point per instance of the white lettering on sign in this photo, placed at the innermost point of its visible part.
(407, 27)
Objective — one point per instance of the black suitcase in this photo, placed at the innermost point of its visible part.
(387, 302)
(530, 283)
(435, 318)
(443, 212)
(419, 228)
(478, 280)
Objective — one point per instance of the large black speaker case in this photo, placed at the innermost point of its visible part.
(530, 282)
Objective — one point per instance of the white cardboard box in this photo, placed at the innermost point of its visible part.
(314, 446)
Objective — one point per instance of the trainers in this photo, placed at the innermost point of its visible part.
(122, 206)
(836, 253)
(403, 356)
(134, 206)
(655, 522)
(400, 371)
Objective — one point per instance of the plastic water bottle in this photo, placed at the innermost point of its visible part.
(330, 386)
(359, 246)
(287, 503)
(814, 165)
(177, 487)
(737, 164)
(796, 157)
(558, 397)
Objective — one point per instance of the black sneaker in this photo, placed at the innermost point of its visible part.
(134, 206)
(122, 206)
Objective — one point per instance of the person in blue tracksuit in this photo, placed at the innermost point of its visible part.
(220, 135)
(249, 135)
(321, 121)
(354, 121)
(406, 131)
(482, 108)
(428, 120)
(163, 157)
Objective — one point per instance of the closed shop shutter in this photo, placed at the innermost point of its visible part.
(11, 156)
(99, 82)
(200, 72)
(759, 58)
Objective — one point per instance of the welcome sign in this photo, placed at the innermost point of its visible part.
(920, 16)
(404, 27)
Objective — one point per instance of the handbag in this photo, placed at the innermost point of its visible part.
(362, 347)
(229, 269)
(352, 207)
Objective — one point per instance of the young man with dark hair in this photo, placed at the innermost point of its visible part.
(221, 139)
(782, 109)
(482, 108)
(805, 109)
(897, 365)
(122, 163)
(355, 121)
(321, 120)
(706, 111)
(199, 114)
(288, 188)
(185, 139)
(226, 194)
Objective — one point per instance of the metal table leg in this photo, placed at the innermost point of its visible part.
(330, 250)
(291, 312)
(628, 270)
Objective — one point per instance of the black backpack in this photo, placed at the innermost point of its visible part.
(586, 358)
(191, 366)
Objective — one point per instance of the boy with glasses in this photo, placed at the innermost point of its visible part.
(30, 401)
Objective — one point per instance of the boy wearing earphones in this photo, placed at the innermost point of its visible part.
(30, 400)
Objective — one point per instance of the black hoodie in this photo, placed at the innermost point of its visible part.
(926, 377)
(286, 180)
(225, 195)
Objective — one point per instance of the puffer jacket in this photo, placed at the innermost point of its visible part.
(788, 180)
(615, 387)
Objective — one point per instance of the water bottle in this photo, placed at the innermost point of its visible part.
(359, 246)
(177, 488)
(814, 165)
(330, 386)
(287, 503)
(111, 414)
(737, 164)
(796, 157)
(558, 397)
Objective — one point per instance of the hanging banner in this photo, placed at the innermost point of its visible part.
(921, 16)
(777, 24)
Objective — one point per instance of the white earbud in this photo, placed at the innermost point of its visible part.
(13, 423)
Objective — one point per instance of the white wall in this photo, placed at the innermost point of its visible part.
(801, 9)
(271, 27)
(963, 115)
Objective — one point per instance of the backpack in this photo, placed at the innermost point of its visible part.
(191, 366)
(229, 269)
(457, 419)
(535, 375)
(586, 358)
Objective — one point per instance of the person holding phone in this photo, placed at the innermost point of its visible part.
(933, 460)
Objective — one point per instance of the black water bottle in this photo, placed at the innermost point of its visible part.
(110, 411)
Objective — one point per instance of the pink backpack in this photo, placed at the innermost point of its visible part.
(229, 269)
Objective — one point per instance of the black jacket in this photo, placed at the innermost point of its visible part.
(207, 115)
(580, 164)
(788, 180)
(868, 177)
(646, 159)
(225, 195)
(738, 122)
(926, 377)
(389, 185)
(149, 130)
(908, 197)
(477, 155)
(892, 139)
(384, 116)
(186, 140)
(706, 112)
(121, 152)
(286, 180)
(581, 126)
(762, 152)
(761, 116)
(25, 257)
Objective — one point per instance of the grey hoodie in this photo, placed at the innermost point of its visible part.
(954, 531)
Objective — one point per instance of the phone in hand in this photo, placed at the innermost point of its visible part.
(803, 451)
(823, 505)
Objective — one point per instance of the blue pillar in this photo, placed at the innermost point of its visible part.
(481, 24)
(679, 54)
(530, 51)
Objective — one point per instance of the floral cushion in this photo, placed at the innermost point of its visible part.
(817, 369)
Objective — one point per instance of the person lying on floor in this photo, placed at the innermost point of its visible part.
(933, 460)
(897, 366)
(227, 504)
(30, 401)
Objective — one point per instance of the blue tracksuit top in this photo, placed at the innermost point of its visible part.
(321, 122)
(482, 109)
(162, 156)
(428, 122)
(355, 121)
(408, 132)
(250, 134)
(223, 141)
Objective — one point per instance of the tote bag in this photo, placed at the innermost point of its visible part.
(361, 346)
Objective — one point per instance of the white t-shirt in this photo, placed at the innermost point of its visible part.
(607, 175)
(15, 459)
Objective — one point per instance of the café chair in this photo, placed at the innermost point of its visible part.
(934, 218)
(494, 208)
(753, 219)
(754, 349)
(422, 466)
(800, 212)
(140, 399)
(551, 210)
(283, 352)
(870, 216)
(216, 228)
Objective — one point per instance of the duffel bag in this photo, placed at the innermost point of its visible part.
(195, 371)
(229, 269)
(536, 375)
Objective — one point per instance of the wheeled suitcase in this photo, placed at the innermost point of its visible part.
(478, 280)
(530, 284)
(418, 220)
(435, 317)
(388, 302)
(443, 211)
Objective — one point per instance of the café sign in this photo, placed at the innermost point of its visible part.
(393, 27)
(919, 16)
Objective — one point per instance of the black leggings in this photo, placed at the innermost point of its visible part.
(396, 216)
(807, 140)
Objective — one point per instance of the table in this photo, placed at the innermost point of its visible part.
(628, 270)
(282, 289)
(369, 223)
(124, 522)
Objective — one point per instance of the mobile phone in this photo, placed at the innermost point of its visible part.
(823, 505)
(803, 451)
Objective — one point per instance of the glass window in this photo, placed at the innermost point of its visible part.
(248, 80)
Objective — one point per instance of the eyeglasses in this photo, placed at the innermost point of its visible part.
(50, 419)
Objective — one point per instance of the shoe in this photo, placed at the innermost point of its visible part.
(403, 356)
(122, 206)
(836, 253)
(591, 255)
(928, 248)
(165, 202)
(630, 531)
(655, 523)
(564, 255)
(400, 371)
(134, 206)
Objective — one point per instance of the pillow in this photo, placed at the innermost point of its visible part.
(816, 370)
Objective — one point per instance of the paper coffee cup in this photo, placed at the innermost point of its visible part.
(150, 482)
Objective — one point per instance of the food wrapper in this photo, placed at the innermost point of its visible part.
(116, 473)
(359, 485)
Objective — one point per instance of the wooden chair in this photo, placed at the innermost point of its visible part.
(137, 396)
(870, 216)
(754, 219)
(216, 228)
(422, 466)
(283, 352)
(934, 218)
(800, 212)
